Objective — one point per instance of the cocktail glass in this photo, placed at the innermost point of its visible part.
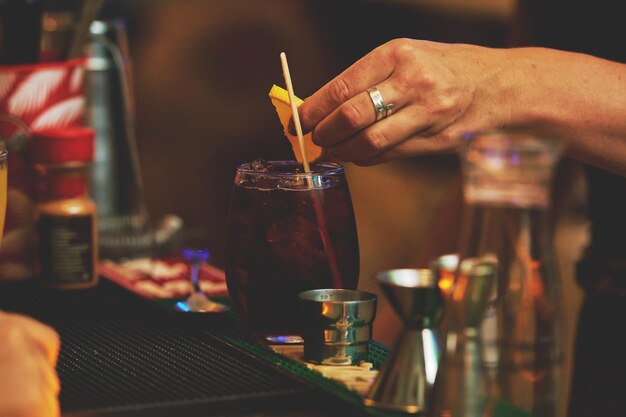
(288, 232)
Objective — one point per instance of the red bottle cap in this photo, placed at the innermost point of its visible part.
(70, 144)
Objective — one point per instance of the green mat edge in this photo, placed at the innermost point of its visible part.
(377, 354)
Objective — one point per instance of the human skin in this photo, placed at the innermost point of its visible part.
(29, 385)
(441, 91)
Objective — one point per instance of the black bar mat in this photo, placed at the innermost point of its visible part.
(120, 357)
(236, 333)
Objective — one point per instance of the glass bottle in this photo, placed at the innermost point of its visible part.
(507, 184)
(66, 223)
(125, 228)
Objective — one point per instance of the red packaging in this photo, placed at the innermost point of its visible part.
(33, 99)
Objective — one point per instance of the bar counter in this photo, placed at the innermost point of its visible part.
(125, 356)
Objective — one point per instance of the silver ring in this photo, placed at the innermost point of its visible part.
(382, 110)
(388, 109)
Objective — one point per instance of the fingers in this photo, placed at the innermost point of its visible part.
(28, 330)
(430, 104)
(28, 354)
(370, 70)
(44, 337)
(49, 377)
(355, 115)
(51, 405)
(369, 142)
(380, 137)
(48, 341)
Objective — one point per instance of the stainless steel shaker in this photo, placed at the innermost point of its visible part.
(125, 228)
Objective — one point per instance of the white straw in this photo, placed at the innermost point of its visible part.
(294, 111)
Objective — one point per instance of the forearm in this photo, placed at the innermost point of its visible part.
(577, 98)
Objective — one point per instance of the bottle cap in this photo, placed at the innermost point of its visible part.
(59, 145)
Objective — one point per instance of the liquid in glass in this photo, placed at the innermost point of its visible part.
(288, 232)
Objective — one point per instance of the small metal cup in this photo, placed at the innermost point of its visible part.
(336, 325)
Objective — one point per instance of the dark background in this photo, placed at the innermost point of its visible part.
(202, 71)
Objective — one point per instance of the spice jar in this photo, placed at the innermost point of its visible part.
(66, 221)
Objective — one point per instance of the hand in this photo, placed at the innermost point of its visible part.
(439, 91)
(29, 385)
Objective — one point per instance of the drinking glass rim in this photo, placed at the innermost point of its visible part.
(334, 169)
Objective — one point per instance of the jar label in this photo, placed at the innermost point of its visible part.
(66, 249)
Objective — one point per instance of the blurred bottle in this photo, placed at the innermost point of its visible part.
(57, 30)
(66, 220)
(125, 228)
(507, 184)
(65, 30)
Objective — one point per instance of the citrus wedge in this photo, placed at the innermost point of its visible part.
(280, 99)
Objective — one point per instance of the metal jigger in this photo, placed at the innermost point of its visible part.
(409, 371)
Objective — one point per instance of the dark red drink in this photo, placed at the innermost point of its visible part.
(288, 232)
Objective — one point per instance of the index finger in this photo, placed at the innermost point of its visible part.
(368, 71)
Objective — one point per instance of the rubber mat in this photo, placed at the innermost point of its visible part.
(120, 358)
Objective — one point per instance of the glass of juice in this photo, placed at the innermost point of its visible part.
(288, 232)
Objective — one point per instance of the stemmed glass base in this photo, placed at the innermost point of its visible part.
(197, 301)
(284, 339)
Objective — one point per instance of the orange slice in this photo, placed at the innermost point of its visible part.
(280, 99)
